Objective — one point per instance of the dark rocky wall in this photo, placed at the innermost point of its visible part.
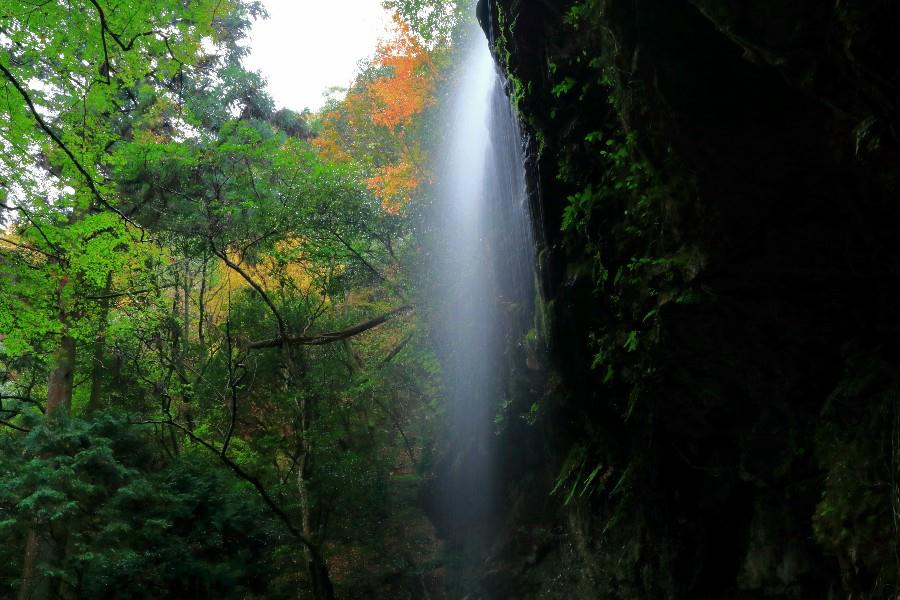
(718, 185)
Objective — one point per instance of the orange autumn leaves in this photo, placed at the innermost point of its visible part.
(377, 123)
(409, 87)
(394, 185)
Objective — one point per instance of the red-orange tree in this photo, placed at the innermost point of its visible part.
(378, 124)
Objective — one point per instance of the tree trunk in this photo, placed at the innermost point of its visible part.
(186, 305)
(201, 307)
(320, 579)
(59, 389)
(43, 548)
(98, 363)
(40, 549)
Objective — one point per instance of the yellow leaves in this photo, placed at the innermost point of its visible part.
(275, 270)
(156, 124)
(271, 271)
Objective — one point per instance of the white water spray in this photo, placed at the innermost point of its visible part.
(485, 257)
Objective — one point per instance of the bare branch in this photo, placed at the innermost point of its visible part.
(282, 328)
(330, 337)
(33, 224)
(25, 399)
(105, 28)
(112, 295)
(397, 349)
(28, 247)
(16, 427)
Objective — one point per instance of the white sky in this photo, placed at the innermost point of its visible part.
(307, 46)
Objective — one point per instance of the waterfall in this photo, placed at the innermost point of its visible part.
(484, 262)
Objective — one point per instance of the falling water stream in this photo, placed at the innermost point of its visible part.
(485, 257)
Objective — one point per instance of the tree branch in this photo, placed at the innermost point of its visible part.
(29, 247)
(233, 381)
(237, 470)
(16, 427)
(33, 224)
(112, 295)
(393, 353)
(25, 399)
(282, 328)
(105, 28)
(330, 337)
(369, 266)
(89, 180)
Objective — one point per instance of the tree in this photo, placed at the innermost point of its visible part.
(437, 23)
(378, 125)
(90, 60)
(188, 280)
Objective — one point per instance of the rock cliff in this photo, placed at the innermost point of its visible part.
(716, 183)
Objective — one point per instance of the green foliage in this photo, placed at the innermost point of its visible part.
(624, 174)
(436, 22)
(579, 207)
(579, 12)
(578, 475)
(163, 224)
(131, 521)
(563, 87)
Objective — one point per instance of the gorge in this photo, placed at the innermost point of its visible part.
(560, 300)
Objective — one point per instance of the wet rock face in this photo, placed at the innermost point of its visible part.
(748, 430)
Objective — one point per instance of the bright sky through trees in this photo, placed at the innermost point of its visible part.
(307, 46)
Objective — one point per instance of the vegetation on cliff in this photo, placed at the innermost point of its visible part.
(726, 426)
